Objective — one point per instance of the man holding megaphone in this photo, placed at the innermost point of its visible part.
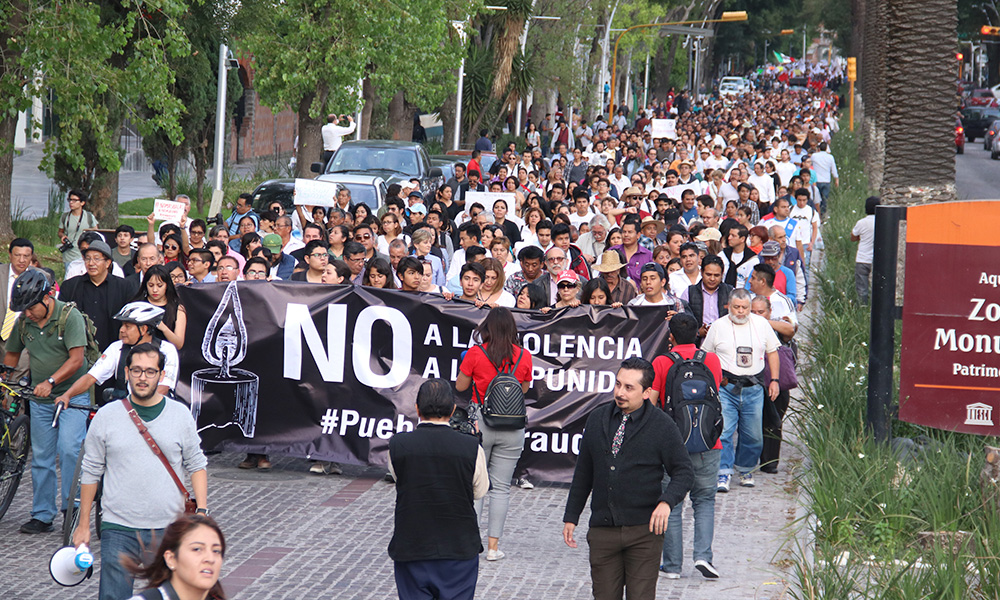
(139, 445)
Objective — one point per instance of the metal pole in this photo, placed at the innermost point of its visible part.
(520, 101)
(803, 45)
(361, 108)
(645, 85)
(852, 105)
(883, 321)
(220, 116)
(458, 103)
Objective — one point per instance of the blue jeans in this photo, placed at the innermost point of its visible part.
(824, 193)
(50, 443)
(706, 470)
(502, 448)
(116, 580)
(741, 414)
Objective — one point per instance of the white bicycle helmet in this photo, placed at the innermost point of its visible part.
(140, 313)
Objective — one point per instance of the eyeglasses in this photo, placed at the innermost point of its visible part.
(356, 259)
(138, 373)
(229, 268)
(322, 255)
(195, 260)
(197, 232)
(171, 247)
(566, 285)
(255, 274)
(555, 259)
(95, 260)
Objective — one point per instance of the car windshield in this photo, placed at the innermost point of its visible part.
(359, 158)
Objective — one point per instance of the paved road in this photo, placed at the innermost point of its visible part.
(976, 176)
(300, 536)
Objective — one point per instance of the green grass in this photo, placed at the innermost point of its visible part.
(870, 502)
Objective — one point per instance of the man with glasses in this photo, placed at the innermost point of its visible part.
(140, 497)
(200, 265)
(283, 229)
(256, 269)
(243, 209)
(78, 267)
(227, 269)
(56, 360)
(555, 262)
(316, 258)
(354, 256)
(364, 235)
(146, 256)
(98, 294)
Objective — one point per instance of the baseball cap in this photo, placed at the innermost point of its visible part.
(272, 242)
(418, 208)
(567, 275)
(415, 193)
(655, 267)
(770, 249)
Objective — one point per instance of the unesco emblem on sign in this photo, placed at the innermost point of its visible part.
(979, 414)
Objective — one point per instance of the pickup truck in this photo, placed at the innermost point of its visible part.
(392, 160)
(977, 121)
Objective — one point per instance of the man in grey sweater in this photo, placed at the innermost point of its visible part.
(140, 497)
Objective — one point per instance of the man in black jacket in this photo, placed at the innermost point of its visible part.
(626, 446)
(439, 473)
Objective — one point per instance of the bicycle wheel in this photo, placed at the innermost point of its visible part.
(13, 456)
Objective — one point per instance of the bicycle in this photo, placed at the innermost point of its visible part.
(14, 437)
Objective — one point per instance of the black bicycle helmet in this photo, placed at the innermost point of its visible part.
(140, 313)
(30, 288)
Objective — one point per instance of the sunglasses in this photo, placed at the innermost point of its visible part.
(366, 236)
(566, 285)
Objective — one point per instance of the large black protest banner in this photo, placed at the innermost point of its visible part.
(331, 372)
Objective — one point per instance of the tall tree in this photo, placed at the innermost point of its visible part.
(13, 79)
(102, 58)
(920, 71)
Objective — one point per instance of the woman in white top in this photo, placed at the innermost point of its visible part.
(763, 183)
(391, 230)
(500, 250)
(492, 292)
(533, 138)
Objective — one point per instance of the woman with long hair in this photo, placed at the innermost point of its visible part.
(173, 250)
(497, 351)
(248, 243)
(391, 230)
(188, 562)
(158, 289)
(532, 137)
(492, 290)
(532, 297)
(378, 274)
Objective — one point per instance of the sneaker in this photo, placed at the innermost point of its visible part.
(333, 468)
(263, 463)
(670, 575)
(746, 479)
(494, 554)
(723, 486)
(250, 462)
(524, 484)
(706, 569)
(318, 467)
(36, 526)
(389, 478)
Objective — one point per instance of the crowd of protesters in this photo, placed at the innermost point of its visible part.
(718, 221)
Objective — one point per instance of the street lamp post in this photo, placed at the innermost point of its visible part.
(727, 17)
(460, 27)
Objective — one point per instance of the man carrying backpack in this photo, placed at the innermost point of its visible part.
(687, 383)
(57, 360)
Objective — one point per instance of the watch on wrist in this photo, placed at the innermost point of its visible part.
(774, 380)
(201, 511)
(51, 381)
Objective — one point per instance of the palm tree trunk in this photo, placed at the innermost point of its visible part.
(921, 71)
(873, 82)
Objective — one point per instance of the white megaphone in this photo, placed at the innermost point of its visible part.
(70, 566)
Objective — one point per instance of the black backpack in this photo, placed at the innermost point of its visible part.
(503, 404)
(692, 399)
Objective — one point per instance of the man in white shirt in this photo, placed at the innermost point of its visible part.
(742, 341)
(762, 284)
(619, 180)
(690, 273)
(581, 208)
(652, 284)
(796, 232)
(333, 134)
(864, 232)
(717, 160)
(763, 182)
(785, 168)
(825, 170)
(808, 219)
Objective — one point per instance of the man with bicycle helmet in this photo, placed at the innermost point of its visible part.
(56, 361)
(138, 323)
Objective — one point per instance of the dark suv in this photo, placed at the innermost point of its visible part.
(392, 160)
(977, 120)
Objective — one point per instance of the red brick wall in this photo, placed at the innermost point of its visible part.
(264, 133)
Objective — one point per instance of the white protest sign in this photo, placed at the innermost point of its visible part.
(664, 128)
(309, 192)
(168, 210)
(487, 199)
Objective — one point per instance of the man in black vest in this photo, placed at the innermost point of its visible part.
(738, 258)
(627, 445)
(710, 288)
(439, 474)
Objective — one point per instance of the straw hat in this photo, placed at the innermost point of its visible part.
(611, 261)
(660, 225)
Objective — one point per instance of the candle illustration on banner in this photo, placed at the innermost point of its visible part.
(224, 346)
